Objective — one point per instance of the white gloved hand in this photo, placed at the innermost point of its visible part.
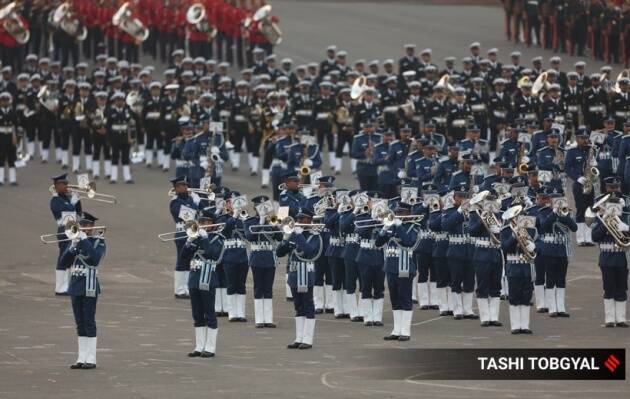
(460, 209)
(285, 236)
(235, 213)
(593, 162)
(82, 236)
(74, 198)
(623, 227)
(308, 163)
(581, 180)
(531, 246)
(528, 202)
(215, 150)
(525, 159)
(195, 198)
(401, 174)
(203, 233)
(495, 229)
(397, 222)
(339, 207)
(298, 230)
(190, 239)
(262, 220)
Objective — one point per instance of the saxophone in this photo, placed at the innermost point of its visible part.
(590, 172)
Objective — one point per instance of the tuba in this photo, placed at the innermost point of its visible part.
(523, 81)
(132, 26)
(197, 17)
(63, 18)
(267, 27)
(444, 82)
(12, 23)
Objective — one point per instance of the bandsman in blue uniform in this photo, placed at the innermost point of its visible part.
(334, 255)
(578, 161)
(464, 177)
(427, 165)
(262, 260)
(183, 208)
(410, 160)
(207, 153)
(455, 222)
(613, 259)
(399, 241)
(387, 175)
(304, 153)
(278, 145)
(85, 253)
(398, 152)
(478, 147)
(182, 166)
(554, 224)
(446, 168)
(203, 253)
(303, 247)
(347, 216)
(292, 198)
(65, 206)
(623, 152)
(549, 161)
(607, 161)
(363, 149)
(423, 253)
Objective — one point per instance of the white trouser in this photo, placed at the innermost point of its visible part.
(405, 322)
(268, 310)
(318, 296)
(309, 331)
(366, 309)
(259, 311)
(609, 311)
(211, 340)
(126, 172)
(90, 354)
(113, 176)
(200, 338)
(83, 344)
(524, 310)
(433, 298)
(560, 295)
(458, 306)
(62, 280)
(467, 302)
(397, 322)
(288, 293)
(495, 308)
(539, 294)
(329, 298)
(350, 305)
(377, 309)
(515, 318)
(299, 329)
(180, 282)
(339, 302)
(550, 300)
(620, 311)
(76, 163)
(484, 309)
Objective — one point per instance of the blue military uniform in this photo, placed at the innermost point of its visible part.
(423, 258)
(279, 164)
(366, 170)
(545, 160)
(203, 253)
(84, 254)
(440, 262)
(426, 169)
(64, 208)
(575, 163)
(410, 165)
(334, 256)
(446, 169)
(349, 254)
(296, 158)
(387, 175)
(195, 151)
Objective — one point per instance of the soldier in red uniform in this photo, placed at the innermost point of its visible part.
(12, 51)
(223, 25)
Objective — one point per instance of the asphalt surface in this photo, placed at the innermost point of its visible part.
(144, 333)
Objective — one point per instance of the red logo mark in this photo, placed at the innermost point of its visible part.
(612, 363)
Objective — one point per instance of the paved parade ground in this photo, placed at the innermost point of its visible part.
(144, 333)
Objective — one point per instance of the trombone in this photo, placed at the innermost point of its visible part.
(88, 192)
(210, 194)
(286, 226)
(72, 230)
(388, 219)
(191, 230)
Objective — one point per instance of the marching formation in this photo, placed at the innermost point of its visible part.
(468, 161)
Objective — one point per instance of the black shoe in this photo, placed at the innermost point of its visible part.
(233, 320)
(182, 296)
(253, 173)
(76, 366)
(444, 313)
(220, 314)
(44, 161)
(622, 324)
(14, 184)
(404, 338)
(319, 311)
(294, 345)
(207, 354)
(329, 311)
(337, 172)
(458, 317)
(346, 316)
(563, 314)
(424, 307)
(305, 346)
(112, 182)
(503, 297)
(450, 312)
(61, 293)
(609, 325)
(415, 301)
(471, 316)
(265, 186)
(495, 323)
(270, 325)
(434, 307)
(391, 337)
(242, 320)
(485, 324)
(149, 166)
(378, 324)
(589, 244)
(356, 319)
(554, 314)
(88, 366)
(340, 316)
(368, 324)
(260, 325)
(194, 354)
(234, 169)
(129, 182)
(289, 299)
(95, 177)
(64, 167)
(526, 331)
(542, 310)
(516, 332)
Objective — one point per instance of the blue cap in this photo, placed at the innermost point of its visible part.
(612, 181)
(543, 191)
(461, 191)
(62, 178)
(304, 212)
(328, 180)
(179, 179)
(517, 180)
(429, 186)
(554, 132)
(260, 199)
(87, 218)
(291, 175)
(581, 132)
(375, 194)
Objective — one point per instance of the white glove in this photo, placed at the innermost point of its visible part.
(75, 242)
(203, 233)
(235, 213)
(308, 162)
(262, 220)
(495, 229)
(215, 150)
(195, 198)
(531, 246)
(401, 174)
(298, 230)
(581, 180)
(623, 227)
(339, 207)
(528, 202)
(460, 209)
(82, 236)
(593, 162)
(397, 222)
(190, 239)
(285, 236)
(525, 159)
(74, 198)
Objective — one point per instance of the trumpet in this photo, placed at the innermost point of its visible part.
(191, 230)
(433, 203)
(72, 230)
(88, 192)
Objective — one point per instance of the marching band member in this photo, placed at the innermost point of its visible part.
(81, 133)
(278, 145)
(303, 247)
(447, 168)
(182, 166)
(183, 208)
(518, 269)
(324, 109)
(8, 138)
(241, 126)
(443, 289)
(97, 122)
(387, 177)
(613, 260)
(423, 254)
(399, 241)
(487, 257)
(151, 124)
(292, 198)
(347, 229)
(203, 253)
(363, 146)
(455, 222)
(118, 119)
(207, 153)
(551, 159)
(554, 223)
(579, 162)
(262, 260)
(169, 114)
(304, 155)
(334, 254)
(607, 161)
(85, 253)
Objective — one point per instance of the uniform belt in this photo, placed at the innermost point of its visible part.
(425, 234)
(486, 243)
(261, 247)
(478, 107)
(6, 129)
(80, 270)
(153, 115)
(516, 258)
(416, 118)
(530, 116)
(224, 113)
(277, 162)
(499, 114)
(440, 236)
(573, 108)
(240, 118)
(610, 247)
(233, 243)
(596, 108)
(336, 241)
(304, 112)
(392, 109)
(459, 122)
(322, 115)
(310, 266)
(392, 252)
(368, 244)
(382, 168)
(197, 264)
(168, 117)
(440, 120)
(458, 239)
(552, 239)
(79, 118)
(352, 238)
(181, 164)
(119, 128)
(558, 119)
(622, 114)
